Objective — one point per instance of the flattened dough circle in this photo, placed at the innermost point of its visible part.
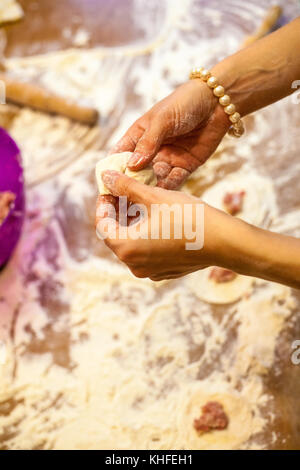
(237, 410)
(259, 208)
(218, 293)
(10, 10)
(259, 205)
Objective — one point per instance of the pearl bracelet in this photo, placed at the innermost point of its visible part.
(237, 127)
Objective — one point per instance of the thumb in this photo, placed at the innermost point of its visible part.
(147, 146)
(122, 185)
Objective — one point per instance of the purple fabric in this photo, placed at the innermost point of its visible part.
(11, 179)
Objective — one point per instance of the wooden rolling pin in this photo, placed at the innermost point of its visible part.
(34, 96)
(268, 23)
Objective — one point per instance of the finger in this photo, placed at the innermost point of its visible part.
(103, 206)
(175, 179)
(121, 185)
(170, 275)
(107, 219)
(177, 156)
(140, 272)
(163, 277)
(147, 146)
(128, 142)
(161, 169)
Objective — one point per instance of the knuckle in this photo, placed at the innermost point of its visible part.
(144, 142)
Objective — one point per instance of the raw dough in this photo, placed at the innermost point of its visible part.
(118, 162)
(218, 293)
(237, 409)
(259, 203)
(259, 208)
(10, 11)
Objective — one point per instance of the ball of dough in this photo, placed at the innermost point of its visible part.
(118, 162)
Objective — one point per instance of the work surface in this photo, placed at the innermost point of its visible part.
(94, 357)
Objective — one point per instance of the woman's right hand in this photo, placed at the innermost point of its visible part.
(218, 239)
(178, 134)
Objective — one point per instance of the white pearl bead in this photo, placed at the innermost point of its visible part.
(219, 91)
(224, 100)
(205, 74)
(230, 109)
(212, 82)
(235, 117)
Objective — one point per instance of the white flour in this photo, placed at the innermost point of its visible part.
(112, 361)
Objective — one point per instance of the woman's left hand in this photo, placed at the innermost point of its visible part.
(177, 135)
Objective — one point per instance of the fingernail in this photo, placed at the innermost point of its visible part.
(135, 159)
(109, 177)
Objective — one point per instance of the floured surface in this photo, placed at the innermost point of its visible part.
(135, 377)
(97, 359)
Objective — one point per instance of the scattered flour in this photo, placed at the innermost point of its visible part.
(95, 358)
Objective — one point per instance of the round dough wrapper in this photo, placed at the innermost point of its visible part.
(10, 10)
(118, 162)
(239, 430)
(218, 293)
(259, 202)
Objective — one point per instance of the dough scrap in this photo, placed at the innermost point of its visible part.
(10, 10)
(118, 162)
